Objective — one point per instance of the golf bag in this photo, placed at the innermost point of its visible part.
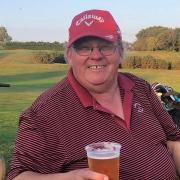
(170, 100)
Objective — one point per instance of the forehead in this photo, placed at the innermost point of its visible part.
(91, 39)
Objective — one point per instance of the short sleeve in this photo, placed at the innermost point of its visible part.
(36, 148)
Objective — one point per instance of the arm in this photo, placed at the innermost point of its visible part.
(174, 147)
(32, 155)
(81, 174)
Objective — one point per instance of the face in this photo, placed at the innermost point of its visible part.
(96, 70)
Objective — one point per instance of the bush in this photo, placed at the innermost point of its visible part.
(60, 59)
(146, 62)
(176, 65)
(164, 64)
(132, 62)
(48, 57)
(149, 62)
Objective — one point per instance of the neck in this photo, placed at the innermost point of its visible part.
(111, 100)
(105, 93)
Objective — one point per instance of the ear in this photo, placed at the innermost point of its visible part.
(68, 55)
(121, 53)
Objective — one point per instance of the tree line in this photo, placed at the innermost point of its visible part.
(149, 39)
(35, 45)
(7, 43)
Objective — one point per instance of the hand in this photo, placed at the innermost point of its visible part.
(79, 174)
(86, 174)
(174, 148)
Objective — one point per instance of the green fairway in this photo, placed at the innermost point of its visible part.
(29, 80)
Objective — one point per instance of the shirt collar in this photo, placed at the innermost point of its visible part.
(86, 98)
(125, 82)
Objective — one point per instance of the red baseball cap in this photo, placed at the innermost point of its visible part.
(98, 23)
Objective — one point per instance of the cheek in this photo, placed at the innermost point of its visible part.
(78, 60)
(116, 60)
(77, 63)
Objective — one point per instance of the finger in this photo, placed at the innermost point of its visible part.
(86, 174)
(94, 175)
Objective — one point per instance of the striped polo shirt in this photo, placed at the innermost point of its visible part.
(53, 132)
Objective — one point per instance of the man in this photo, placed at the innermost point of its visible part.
(95, 103)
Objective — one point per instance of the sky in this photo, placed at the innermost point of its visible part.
(49, 20)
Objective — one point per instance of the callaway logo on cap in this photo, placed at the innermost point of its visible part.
(88, 19)
(97, 23)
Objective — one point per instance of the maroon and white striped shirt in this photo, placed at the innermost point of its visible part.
(64, 119)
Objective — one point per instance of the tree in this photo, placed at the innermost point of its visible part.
(158, 38)
(4, 37)
(176, 39)
(164, 40)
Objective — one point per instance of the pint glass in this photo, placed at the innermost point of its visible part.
(103, 157)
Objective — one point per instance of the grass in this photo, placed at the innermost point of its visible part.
(30, 80)
(3, 54)
(166, 77)
(16, 56)
(27, 82)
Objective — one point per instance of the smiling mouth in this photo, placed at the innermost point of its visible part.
(95, 67)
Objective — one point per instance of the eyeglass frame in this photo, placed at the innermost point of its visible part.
(90, 50)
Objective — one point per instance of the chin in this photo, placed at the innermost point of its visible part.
(97, 77)
(97, 82)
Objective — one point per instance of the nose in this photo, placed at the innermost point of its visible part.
(96, 53)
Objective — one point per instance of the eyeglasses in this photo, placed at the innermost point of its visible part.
(86, 51)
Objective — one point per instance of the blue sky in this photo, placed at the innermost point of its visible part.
(48, 20)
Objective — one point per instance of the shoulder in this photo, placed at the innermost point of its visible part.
(137, 80)
(51, 95)
(139, 83)
(132, 77)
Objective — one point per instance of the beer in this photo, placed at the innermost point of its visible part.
(103, 157)
(110, 167)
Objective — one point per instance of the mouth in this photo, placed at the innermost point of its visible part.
(96, 67)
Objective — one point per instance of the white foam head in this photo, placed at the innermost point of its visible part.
(103, 150)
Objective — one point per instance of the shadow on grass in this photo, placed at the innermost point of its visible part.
(31, 76)
(31, 82)
(36, 87)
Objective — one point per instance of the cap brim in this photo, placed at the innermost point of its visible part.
(90, 34)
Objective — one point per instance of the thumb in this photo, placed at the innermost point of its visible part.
(106, 178)
(95, 175)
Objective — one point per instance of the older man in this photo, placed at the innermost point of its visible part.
(95, 103)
